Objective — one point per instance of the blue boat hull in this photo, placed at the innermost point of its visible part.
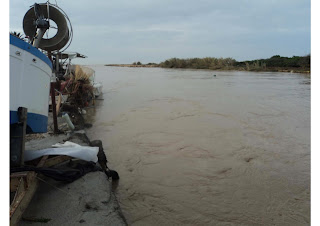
(36, 123)
(30, 75)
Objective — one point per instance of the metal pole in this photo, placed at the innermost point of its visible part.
(54, 111)
(50, 56)
(41, 32)
(57, 63)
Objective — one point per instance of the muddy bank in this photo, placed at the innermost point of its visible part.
(88, 200)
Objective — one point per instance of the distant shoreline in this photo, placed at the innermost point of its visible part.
(273, 69)
(276, 63)
(130, 65)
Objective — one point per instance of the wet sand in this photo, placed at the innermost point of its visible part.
(196, 149)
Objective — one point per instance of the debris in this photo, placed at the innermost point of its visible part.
(81, 152)
(40, 220)
(102, 159)
(68, 121)
(68, 173)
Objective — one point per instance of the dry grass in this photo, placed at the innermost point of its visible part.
(80, 74)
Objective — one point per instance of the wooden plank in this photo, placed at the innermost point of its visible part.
(20, 192)
(15, 179)
(18, 174)
(42, 161)
(14, 184)
(22, 202)
(51, 161)
(25, 191)
(59, 104)
(56, 160)
(45, 161)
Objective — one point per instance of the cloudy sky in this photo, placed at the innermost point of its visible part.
(126, 31)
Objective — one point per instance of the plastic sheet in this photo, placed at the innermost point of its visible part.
(81, 152)
(66, 144)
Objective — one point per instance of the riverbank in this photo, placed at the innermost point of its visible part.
(131, 65)
(89, 199)
(269, 69)
(277, 63)
(70, 182)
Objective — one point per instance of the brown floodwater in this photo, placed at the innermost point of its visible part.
(192, 148)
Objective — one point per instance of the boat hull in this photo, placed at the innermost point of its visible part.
(30, 76)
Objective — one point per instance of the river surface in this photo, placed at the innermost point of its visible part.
(192, 148)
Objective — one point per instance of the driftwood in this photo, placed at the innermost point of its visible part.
(59, 104)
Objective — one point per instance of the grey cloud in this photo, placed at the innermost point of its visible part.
(123, 31)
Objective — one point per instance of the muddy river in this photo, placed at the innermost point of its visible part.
(192, 148)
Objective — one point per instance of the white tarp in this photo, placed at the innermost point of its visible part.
(66, 145)
(69, 148)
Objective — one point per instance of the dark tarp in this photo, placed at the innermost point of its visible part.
(69, 173)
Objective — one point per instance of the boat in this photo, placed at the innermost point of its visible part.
(30, 76)
(31, 67)
(32, 70)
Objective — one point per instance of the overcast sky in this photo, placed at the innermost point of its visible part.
(126, 31)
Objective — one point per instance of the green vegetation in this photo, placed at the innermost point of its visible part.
(275, 63)
(278, 62)
(199, 63)
(152, 64)
(18, 35)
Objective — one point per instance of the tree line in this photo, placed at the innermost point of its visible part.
(273, 63)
